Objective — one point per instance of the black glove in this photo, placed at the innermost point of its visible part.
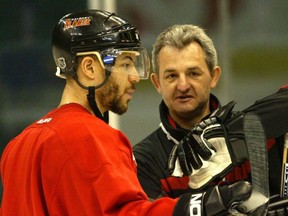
(216, 201)
(195, 147)
(189, 150)
(278, 206)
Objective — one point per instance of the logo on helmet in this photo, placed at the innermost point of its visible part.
(61, 62)
(76, 22)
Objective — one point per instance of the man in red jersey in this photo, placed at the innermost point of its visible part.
(71, 162)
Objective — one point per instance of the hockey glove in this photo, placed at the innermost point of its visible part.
(190, 150)
(216, 201)
(206, 141)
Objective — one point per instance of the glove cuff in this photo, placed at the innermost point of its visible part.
(214, 200)
(189, 204)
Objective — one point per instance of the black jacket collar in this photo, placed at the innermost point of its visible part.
(178, 132)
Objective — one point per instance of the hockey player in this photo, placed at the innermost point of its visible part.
(71, 162)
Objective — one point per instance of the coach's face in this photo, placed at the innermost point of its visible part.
(184, 81)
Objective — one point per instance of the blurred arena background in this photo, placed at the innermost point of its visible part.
(251, 38)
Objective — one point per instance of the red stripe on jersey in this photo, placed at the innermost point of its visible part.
(175, 183)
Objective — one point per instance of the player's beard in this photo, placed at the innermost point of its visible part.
(111, 98)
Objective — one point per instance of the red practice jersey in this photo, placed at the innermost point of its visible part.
(72, 163)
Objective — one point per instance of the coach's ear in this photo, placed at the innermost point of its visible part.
(155, 80)
(215, 75)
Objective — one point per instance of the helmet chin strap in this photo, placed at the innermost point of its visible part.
(91, 96)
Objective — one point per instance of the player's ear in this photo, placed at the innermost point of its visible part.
(155, 80)
(215, 75)
(88, 67)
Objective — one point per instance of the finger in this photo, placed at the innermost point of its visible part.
(192, 157)
(201, 147)
(184, 164)
(225, 112)
(172, 159)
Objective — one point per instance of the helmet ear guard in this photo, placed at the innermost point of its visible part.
(109, 60)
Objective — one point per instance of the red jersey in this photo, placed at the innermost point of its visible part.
(72, 163)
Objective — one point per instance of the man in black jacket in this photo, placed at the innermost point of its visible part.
(186, 69)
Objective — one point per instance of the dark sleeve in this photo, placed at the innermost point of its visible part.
(147, 170)
(273, 112)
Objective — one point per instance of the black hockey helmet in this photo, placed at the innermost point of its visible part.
(96, 32)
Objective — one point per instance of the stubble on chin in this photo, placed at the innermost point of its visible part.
(119, 106)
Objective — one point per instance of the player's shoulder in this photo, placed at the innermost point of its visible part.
(67, 115)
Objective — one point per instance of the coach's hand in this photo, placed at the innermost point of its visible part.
(190, 151)
(196, 147)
